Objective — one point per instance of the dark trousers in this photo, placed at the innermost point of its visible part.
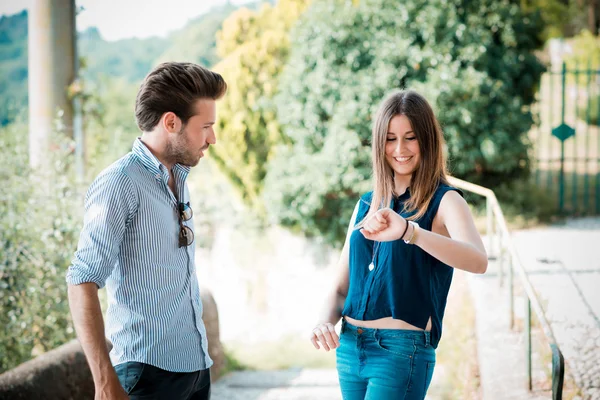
(145, 382)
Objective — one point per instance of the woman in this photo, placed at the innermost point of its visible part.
(397, 262)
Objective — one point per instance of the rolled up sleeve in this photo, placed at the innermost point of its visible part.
(110, 204)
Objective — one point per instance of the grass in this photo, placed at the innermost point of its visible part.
(291, 351)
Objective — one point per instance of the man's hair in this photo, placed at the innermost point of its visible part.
(175, 87)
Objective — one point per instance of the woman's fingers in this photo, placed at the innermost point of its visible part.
(313, 339)
(325, 335)
(376, 223)
(334, 335)
(380, 217)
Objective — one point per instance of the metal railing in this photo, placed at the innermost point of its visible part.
(498, 233)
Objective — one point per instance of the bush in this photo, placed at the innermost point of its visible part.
(254, 46)
(524, 204)
(592, 106)
(39, 224)
(474, 62)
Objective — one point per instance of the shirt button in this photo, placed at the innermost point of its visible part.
(371, 267)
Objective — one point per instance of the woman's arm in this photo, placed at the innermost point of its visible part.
(324, 333)
(463, 250)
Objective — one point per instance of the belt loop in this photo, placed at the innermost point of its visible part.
(427, 338)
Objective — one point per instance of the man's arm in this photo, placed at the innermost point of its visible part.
(110, 205)
(89, 325)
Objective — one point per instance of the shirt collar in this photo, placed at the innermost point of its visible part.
(152, 163)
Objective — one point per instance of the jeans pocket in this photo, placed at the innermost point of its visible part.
(398, 346)
(129, 374)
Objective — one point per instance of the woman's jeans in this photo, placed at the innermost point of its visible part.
(382, 364)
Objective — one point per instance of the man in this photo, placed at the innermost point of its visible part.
(137, 239)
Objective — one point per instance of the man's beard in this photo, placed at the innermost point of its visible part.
(178, 151)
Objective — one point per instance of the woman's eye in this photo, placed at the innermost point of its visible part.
(391, 139)
(411, 138)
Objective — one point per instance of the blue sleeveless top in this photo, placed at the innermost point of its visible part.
(407, 283)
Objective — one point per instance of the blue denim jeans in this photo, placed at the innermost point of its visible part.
(382, 364)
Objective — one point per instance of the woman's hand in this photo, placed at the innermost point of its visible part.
(384, 226)
(325, 335)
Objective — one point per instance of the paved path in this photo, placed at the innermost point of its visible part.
(300, 384)
(563, 263)
(306, 384)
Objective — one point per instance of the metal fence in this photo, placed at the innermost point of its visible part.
(567, 138)
(501, 246)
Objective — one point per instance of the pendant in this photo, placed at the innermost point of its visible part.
(371, 267)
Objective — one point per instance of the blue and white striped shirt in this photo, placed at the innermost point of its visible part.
(129, 243)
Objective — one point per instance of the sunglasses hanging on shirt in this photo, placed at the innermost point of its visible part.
(186, 235)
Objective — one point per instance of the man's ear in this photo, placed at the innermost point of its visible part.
(170, 122)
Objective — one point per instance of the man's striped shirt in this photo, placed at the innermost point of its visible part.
(129, 243)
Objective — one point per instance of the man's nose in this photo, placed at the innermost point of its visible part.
(212, 138)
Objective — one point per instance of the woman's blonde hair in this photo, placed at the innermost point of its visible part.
(431, 170)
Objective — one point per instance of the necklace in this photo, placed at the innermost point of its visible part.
(376, 247)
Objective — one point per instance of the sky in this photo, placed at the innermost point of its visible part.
(119, 19)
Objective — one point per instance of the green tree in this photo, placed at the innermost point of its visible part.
(130, 59)
(109, 121)
(254, 46)
(196, 42)
(473, 60)
(562, 18)
(13, 67)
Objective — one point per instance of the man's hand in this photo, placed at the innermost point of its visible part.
(111, 390)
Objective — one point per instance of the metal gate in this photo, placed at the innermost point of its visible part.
(567, 138)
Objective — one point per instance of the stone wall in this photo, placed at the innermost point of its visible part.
(63, 373)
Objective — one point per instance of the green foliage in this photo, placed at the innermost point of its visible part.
(196, 42)
(109, 122)
(474, 62)
(130, 59)
(585, 51)
(585, 56)
(522, 200)
(39, 225)
(590, 110)
(13, 66)
(254, 45)
(562, 18)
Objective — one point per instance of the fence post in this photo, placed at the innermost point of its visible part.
(500, 259)
(511, 298)
(490, 226)
(527, 323)
(558, 372)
